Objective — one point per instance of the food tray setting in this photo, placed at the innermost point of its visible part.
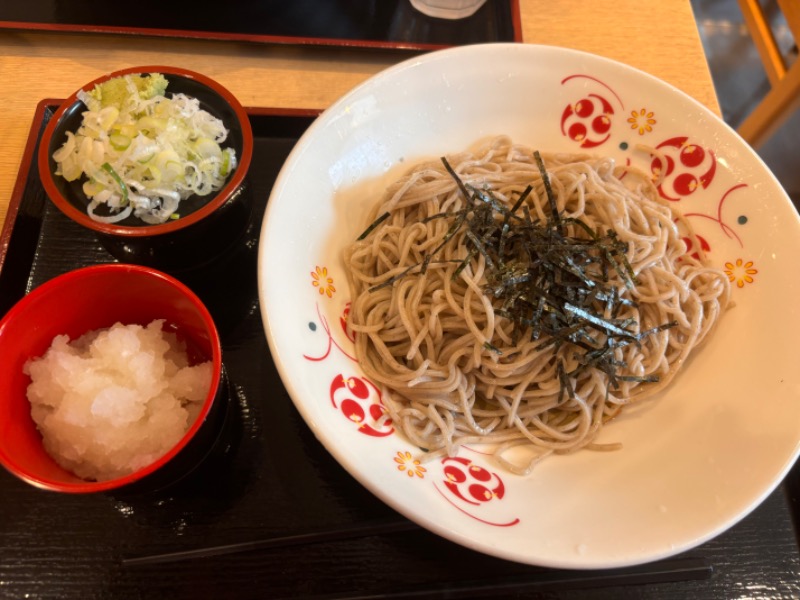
(392, 24)
(269, 511)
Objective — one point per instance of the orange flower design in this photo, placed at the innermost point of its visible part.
(409, 464)
(642, 120)
(740, 272)
(321, 280)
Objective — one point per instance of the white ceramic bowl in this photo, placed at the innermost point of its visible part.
(694, 461)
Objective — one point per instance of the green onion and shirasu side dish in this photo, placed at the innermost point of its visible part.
(142, 152)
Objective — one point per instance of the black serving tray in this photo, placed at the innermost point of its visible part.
(357, 23)
(270, 514)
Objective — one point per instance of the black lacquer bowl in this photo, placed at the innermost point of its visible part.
(209, 226)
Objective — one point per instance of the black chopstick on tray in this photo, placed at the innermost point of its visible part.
(316, 537)
(544, 580)
(539, 579)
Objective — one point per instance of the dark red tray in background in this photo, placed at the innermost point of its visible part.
(357, 23)
(271, 514)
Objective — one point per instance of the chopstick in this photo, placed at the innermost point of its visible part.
(316, 537)
(665, 571)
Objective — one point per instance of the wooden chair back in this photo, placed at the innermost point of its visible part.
(784, 96)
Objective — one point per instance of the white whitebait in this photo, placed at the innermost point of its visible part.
(143, 152)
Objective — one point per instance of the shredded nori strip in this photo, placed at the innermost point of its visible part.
(492, 348)
(554, 286)
(566, 386)
(551, 199)
(370, 229)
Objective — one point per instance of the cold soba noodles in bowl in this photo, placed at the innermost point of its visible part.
(513, 298)
(676, 480)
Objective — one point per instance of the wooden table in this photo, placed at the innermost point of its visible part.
(34, 66)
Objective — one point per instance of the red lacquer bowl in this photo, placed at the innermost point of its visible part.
(209, 226)
(84, 300)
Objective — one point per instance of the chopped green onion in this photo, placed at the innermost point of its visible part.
(225, 167)
(122, 186)
(119, 141)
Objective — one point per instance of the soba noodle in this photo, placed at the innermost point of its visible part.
(455, 369)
